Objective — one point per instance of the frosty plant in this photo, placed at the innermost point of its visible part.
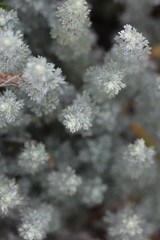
(79, 126)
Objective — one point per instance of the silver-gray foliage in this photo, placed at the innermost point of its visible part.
(79, 126)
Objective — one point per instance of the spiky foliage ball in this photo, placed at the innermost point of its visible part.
(66, 50)
(63, 183)
(107, 78)
(33, 158)
(9, 195)
(73, 17)
(107, 116)
(8, 20)
(47, 105)
(137, 168)
(140, 159)
(40, 77)
(92, 192)
(132, 48)
(13, 52)
(79, 115)
(35, 222)
(10, 108)
(125, 224)
(96, 153)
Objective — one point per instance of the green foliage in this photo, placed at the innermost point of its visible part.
(4, 6)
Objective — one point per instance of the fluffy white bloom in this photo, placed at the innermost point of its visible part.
(40, 77)
(9, 195)
(33, 158)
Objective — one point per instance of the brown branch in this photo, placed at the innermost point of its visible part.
(7, 79)
(51, 162)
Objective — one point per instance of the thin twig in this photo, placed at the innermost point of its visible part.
(7, 79)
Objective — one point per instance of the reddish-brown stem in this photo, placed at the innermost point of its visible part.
(6, 79)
